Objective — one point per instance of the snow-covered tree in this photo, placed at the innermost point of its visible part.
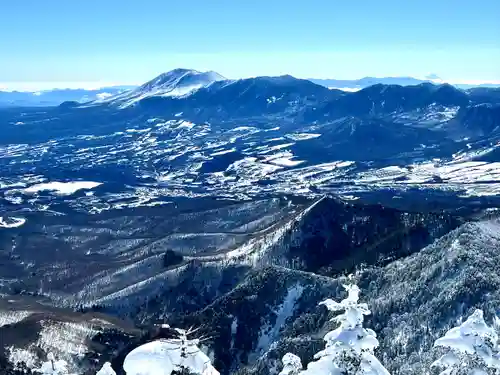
(349, 348)
(472, 349)
(106, 370)
(169, 356)
(53, 366)
(292, 365)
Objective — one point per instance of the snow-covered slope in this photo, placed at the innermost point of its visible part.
(56, 341)
(175, 83)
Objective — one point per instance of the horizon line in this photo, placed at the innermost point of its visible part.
(43, 86)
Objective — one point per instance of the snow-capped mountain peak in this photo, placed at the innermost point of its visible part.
(181, 78)
(175, 83)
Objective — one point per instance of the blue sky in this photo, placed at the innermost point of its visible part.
(53, 42)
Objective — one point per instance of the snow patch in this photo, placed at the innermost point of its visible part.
(106, 370)
(53, 366)
(62, 188)
(18, 356)
(13, 317)
(285, 310)
(11, 222)
(222, 152)
(302, 136)
(103, 95)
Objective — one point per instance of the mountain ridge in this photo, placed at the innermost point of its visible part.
(57, 96)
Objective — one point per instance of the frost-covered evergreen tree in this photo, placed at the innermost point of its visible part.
(349, 348)
(52, 366)
(292, 365)
(106, 370)
(472, 349)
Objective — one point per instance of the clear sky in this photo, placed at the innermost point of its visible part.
(66, 42)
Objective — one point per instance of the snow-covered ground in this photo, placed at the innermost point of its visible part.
(466, 172)
(11, 222)
(12, 317)
(149, 163)
(62, 188)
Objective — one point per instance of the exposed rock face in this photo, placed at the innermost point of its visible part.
(337, 237)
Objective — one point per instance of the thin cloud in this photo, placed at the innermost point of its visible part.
(43, 86)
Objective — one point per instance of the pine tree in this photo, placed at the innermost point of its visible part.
(472, 349)
(292, 365)
(349, 348)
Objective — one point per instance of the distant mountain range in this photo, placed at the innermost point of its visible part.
(48, 98)
(358, 84)
(179, 82)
